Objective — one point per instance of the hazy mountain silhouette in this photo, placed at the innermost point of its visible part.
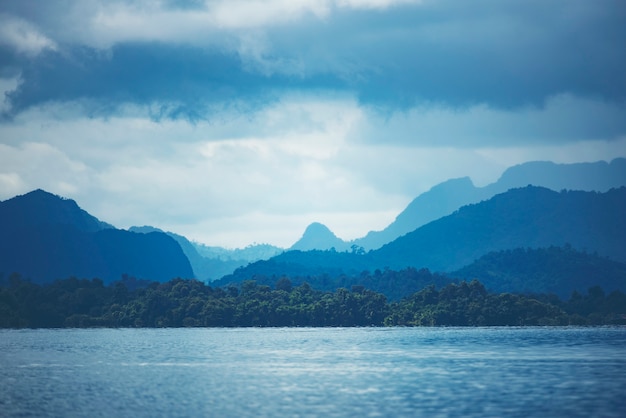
(248, 254)
(201, 269)
(318, 237)
(219, 261)
(446, 197)
(530, 217)
(526, 217)
(598, 176)
(439, 201)
(45, 237)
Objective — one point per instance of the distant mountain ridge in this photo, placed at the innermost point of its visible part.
(45, 237)
(553, 270)
(446, 197)
(210, 263)
(248, 254)
(526, 217)
(439, 201)
(529, 217)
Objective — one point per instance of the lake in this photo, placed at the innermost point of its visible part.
(302, 372)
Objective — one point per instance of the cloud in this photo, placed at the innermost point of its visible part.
(39, 165)
(562, 119)
(392, 54)
(241, 121)
(261, 176)
(22, 36)
(102, 24)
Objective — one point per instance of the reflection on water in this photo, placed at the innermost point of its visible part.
(313, 372)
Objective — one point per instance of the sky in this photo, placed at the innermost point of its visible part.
(235, 122)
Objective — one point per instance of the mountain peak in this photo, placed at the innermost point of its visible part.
(440, 200)
(317, 236)
(444, 198)
(45, 237)
(317, 228)
(40, 207)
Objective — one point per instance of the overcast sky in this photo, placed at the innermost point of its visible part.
(240, 121)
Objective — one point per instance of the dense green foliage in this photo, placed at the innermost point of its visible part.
(558, 270)
(188, 303)
(393, 284)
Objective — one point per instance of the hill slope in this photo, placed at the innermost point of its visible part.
(558, 270)
(45, 237)
(530, 217)
(42, 208)
(527, 217)
(211, 263)
(446, 197)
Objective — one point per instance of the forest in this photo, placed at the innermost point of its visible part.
(179, 302)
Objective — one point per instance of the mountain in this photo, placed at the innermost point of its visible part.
(530, 217)
(552, 270)
(318, 237)
(599, 176)
(211, 263)
(42, 208)
(202, 270)
(439, 201)
(557, 270)
(337, 270)
(248, 254)
(45, 237)
(446, 197)
(525, 217)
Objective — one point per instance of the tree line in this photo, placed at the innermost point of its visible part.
(77, 302)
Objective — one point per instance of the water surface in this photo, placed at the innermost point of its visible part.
(314, 372)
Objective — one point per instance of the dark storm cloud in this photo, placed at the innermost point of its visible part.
(183, 79)
(135, 73)
(458, 54)
(268, 115)
(10, 62)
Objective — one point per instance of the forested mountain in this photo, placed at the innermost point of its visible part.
(39, 208)
(328, 271)
(45, 237)
(557, 270)
(446, 197)
(202, 268)
(530, 217)
(553, 270)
